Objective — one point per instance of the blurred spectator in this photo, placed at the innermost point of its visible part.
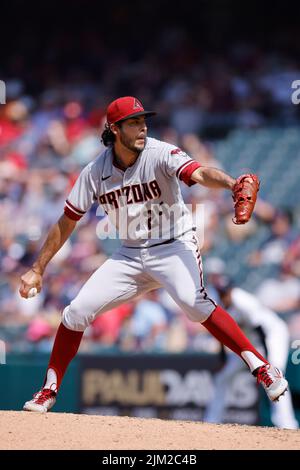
(239, 233)
(51, 126)
(148, 324)
(281, 293)
(107, 327)
(274, 248)
(291, 261)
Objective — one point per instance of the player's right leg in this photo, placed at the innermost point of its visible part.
(119, 279)
(223, 327)
(178, 268)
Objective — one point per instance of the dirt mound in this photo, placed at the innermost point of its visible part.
(23, 430)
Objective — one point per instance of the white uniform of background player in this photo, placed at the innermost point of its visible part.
(252, 316)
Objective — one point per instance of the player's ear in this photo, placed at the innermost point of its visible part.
(113, 128)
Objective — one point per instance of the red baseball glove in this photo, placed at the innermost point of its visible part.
(244, 194)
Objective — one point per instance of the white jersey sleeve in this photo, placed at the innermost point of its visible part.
(178, 163)
(252, 312)
(82, 195)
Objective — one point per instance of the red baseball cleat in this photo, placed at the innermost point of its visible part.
(272, 380)
(42, 401)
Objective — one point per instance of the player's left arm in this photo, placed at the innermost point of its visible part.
(244, 189)
(213, 178)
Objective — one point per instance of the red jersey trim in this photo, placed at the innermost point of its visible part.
(186, 170)
(72, 212)
(75, 209)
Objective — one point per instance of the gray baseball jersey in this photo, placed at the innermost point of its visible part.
(144, 202)
(159, 246)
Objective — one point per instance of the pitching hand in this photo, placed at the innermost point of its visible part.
(29, 280)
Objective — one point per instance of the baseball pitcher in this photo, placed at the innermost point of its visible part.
(136, 183)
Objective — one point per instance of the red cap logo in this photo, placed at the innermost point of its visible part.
(125, 108)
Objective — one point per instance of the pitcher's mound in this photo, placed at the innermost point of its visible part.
(24, 430)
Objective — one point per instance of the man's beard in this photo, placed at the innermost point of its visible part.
(130, 145)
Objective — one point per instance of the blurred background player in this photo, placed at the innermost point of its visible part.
(269, 334)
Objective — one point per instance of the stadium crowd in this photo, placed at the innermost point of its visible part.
(49, 132)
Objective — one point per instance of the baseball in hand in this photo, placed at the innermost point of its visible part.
(32, 292)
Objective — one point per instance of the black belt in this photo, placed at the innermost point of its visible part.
(162, 243)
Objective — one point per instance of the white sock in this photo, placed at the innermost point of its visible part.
(51, 381)
(253, 361)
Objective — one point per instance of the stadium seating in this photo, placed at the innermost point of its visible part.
(274, 154)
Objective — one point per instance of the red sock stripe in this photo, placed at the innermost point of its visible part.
(223, 327)
(65, 347)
